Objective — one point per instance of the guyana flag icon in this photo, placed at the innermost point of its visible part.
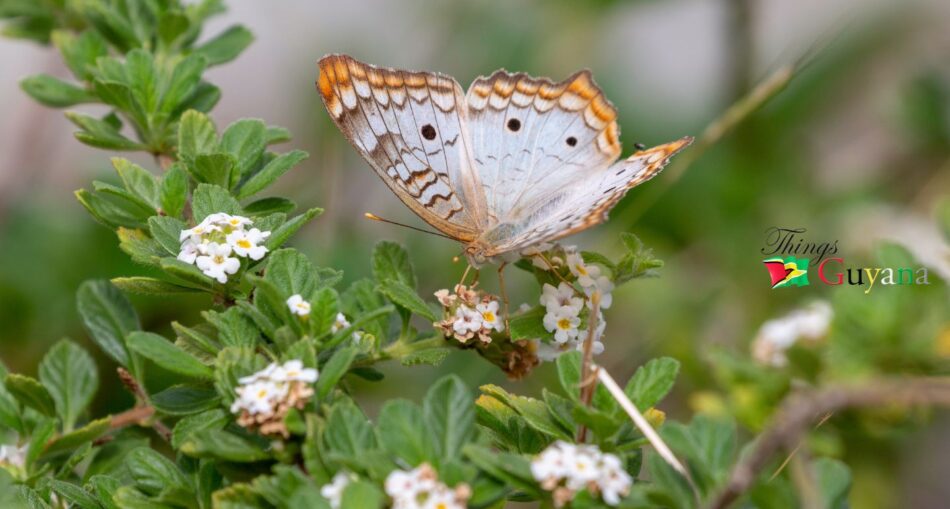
(788, 271)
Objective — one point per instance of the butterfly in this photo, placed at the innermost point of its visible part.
(515, 163)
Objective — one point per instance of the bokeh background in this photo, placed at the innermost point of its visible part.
(855, 149)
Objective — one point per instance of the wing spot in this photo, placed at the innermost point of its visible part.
(428, 132)
(571, 141)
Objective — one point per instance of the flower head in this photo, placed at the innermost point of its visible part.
(202, 244)
(298, 305)
(564, 295)
(564, 469)
(265, 397)
(420, 488)
(490, 318)
(247, 243)
(217, 262)
(563, 322)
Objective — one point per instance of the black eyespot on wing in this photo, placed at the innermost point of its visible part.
(571, 141)
(428, 132)
(514, 124)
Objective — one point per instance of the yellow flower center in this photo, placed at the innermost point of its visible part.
(441, 505)
(564, 323)
(261, 393)
(488, 316)
(244, 243)
(218, 259)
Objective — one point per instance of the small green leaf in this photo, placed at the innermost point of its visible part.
(70, 376)
(155, 473)
(652, 382)
(171, 25)
(100, 134)
(150, 286)
(428, 357)
(226, 46)
(270, 206)
(529, 325)
(108, 316)
(834, 482)
(363, 495)
(185, 400)
(75, 495)
(221, 444)
(271, 172)
(280, 235)
(55, 92)
(196, 135)
(401, 430)
(173, 191)
(212, 168)
(184, 81)
(275, 135)
(167, 230)
(333, 371)
(31, 393)
(391, 261)
(80, 52)
(209, 199)
(244, 140)
(348, 431)
(212, 419)
(569, 373)
(407, 298)
(167, 355)
(291, 273)
(186, 274)
(73, 439)
(325, 304)
(450, 416)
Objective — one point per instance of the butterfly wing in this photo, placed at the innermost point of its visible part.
(587, 203)
(411, 128)
(533, 137)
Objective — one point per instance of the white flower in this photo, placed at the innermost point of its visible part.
(190, 249)
(466, 320)
(614, 482)
(576, 467)
(293, 371)
(490, 318)
(442, 499)
(564, 295)
(815, 320)
(776, 336)
(602, 286)
(258, 397)
(236, 222)
(333, 492)
(247, 243)
(13, 455)
(575, 262)
(298, 305)
(339, 324)
(263, 374)
(217, 263)
(582, 468)
(563, 323)
(195, 234)
(548, 352)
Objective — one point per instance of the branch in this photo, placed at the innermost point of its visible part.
(798, 411)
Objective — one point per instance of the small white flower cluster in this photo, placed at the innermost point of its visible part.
(420, 489)
(333, 492)
(590, 278)
(215, 245)
(469, 314)
(776, 336)
(562, 317)
(265, 397)
(564, 469)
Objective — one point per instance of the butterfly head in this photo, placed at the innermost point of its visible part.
(477, 253)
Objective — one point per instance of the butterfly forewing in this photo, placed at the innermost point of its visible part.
(410, 127)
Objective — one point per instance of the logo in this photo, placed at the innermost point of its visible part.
(788, 271)
(784, 245)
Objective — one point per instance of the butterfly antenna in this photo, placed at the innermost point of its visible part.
(374, 217)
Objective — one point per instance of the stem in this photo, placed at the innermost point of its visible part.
(402, 348)
(588, 382)
(797, 412)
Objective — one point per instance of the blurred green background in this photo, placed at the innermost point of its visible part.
(856, 149)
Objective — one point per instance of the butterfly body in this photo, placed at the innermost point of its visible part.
(513, 163)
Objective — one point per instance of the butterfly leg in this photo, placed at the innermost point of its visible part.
(504, 293)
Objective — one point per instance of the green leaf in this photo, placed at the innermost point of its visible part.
(407, 298)
(362, 495)
(270, 206)
(569, 373)
(75, 495)
(30, 393)
(244, 140)
(171, 26)
(80, 52)
(226, 46)
(173, 191)
(325, 304)
(212, 419)
(150, 286)
(428, 357)
(184, 81)
(100, 134)
(652, 382)
(108, 316)
(54, 92)
(534, 412)
(74, 439)
(276, 135)
(221, 444)
(212, 168)
(70, 376)
(834, 482)
(209, 199)
(348, 431)
(333, 371)
(167, 230)
(529, 325)
(162, 352)
(138, 181)
(185, 400)
(450, 416)
(391, 262)
(271, 172)
(196, 135)
(155, 473)
(186, 274)
(112, 211)
(280, 235)
(511, 469)
(401, 430)
(291, 273)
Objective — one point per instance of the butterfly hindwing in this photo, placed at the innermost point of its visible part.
(410, 127)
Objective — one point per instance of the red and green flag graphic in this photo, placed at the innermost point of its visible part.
(789, 271)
